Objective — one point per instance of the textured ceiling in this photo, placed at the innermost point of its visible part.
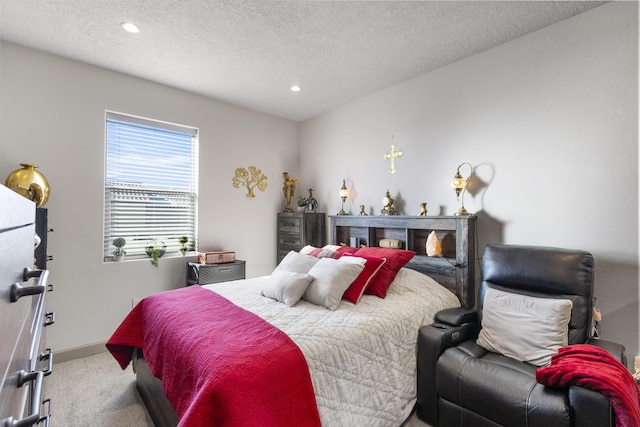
(250, 52)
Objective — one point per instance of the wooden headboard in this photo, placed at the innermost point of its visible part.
(454, 269)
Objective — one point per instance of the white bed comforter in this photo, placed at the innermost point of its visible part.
(362, 358)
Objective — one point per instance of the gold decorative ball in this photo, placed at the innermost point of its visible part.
(29, 183)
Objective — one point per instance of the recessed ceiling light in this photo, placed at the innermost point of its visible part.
(295, 88)
(132, 28)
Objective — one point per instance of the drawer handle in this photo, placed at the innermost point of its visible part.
(34, 409)
(49, 318)
(48, 356)
(28, 273)
(18, 291)
(47, 417)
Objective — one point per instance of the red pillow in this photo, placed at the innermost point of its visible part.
(345, 249)
(396, 259)
(357, 288)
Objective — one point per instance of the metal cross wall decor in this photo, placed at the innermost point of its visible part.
(393, 154)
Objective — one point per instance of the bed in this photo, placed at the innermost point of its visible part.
(360, 357)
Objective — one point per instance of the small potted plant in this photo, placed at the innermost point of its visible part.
(302, 202)
(118, 252)
(155, 249)
(183, 244)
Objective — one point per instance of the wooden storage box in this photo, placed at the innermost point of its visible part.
(222, 257)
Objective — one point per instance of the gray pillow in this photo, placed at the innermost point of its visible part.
(286, 286)
(296, 262)
(332, 277)
(523, 327)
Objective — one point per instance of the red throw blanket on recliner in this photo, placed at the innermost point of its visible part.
(594, 368)
(220, 365)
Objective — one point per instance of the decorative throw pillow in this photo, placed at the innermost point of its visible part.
(525, 328)
(286, 286)
(390, 243)
(371, 267)
(296, 262)
(307, 250)
(327, 251)
(395, 260)
(331, 278)
(344, 250)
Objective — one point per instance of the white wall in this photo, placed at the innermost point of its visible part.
(52, 111)
(550, 122)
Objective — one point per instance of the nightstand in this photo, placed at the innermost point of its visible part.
(204, 274)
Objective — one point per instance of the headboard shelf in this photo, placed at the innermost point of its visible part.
(454, 269)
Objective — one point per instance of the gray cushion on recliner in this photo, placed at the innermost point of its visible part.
(523, 327)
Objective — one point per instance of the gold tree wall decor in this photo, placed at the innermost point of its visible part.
(251, 179)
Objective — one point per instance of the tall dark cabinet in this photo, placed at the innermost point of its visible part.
(298, 229)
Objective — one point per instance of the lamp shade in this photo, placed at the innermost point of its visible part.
(344, 191)
(460, 184)
(458, 181)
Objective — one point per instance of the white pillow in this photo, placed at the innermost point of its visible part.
(523, 327)
(286, 286)
(296, 263)
(331, 278)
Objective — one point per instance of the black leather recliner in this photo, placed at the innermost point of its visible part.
(462, 384)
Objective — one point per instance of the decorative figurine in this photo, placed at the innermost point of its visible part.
(288, 189)
(311, 204)
(387, 203)
(362, 212)
(423, 209)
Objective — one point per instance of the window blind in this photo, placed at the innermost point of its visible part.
(151, 185)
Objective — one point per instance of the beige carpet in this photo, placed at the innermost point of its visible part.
(95, 392)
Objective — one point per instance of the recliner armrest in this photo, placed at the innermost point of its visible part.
(452, 327)
(617, 350)
(590, 408)
(456, 316)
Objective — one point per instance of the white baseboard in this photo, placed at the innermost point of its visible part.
(79, 352)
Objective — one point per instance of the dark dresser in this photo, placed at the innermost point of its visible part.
(24, 362)
(299, 229)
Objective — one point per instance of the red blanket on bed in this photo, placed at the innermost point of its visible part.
(591, 367)
(220, 365)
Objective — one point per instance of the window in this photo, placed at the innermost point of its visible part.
(151, 184)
